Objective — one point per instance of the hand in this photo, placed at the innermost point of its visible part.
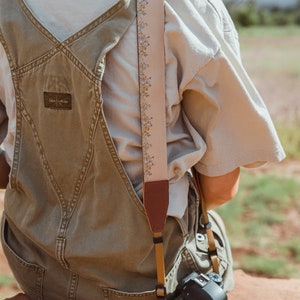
(19, 297)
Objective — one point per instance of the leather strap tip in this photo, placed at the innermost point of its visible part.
(161, 292)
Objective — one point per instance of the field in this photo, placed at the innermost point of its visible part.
(263, 222)
(270, 56)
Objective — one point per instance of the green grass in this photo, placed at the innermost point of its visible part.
(258, 223)
(293, 248)
(269, 266)
(8, 286)
(290, 138)
(266, 32)
(5, 280)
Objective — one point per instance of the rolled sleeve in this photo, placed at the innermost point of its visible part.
(7, 106)
(226, 109)
(3, 114)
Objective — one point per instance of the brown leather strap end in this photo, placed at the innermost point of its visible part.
(156, 202)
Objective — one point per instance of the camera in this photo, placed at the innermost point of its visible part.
(200, 287)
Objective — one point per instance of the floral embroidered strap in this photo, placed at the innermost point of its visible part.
(150, 32)
(152, 87)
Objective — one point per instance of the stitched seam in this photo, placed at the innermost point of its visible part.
(18, 135)
(88, 155)
(119, 165)
(44, 59)
(23, 70)
(21, 111)
(73, 287)
(128, 295)
(76, 35)
(78, 64)
(36, 23)
(88, 28)
(216, 10)
(14, 167)
(60, 249)
(190, 259)
(6, 49)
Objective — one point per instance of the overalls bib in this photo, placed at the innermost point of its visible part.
(73, 226)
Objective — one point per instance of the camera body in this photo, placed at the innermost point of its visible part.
(200, 287)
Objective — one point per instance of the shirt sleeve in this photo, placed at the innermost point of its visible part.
(3, 123)
(223, 105)
(3, 115)
(7, 106)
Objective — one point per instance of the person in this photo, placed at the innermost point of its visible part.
(73, 224)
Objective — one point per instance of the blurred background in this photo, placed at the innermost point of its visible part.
(263, 221)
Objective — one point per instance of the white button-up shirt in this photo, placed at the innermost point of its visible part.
(216, 119)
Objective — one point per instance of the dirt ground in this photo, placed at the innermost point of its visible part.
(255, 288)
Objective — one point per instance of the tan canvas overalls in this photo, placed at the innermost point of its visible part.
(73, 226)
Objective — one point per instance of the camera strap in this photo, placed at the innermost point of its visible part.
(204, 222)
(151, 62)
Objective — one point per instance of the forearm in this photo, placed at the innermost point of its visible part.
(220, 189)
(4, 170)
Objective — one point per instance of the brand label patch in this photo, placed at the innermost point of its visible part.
(60, 101)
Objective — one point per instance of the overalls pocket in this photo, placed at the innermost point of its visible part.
(202, 254)
(29, 276)
(194, 255)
